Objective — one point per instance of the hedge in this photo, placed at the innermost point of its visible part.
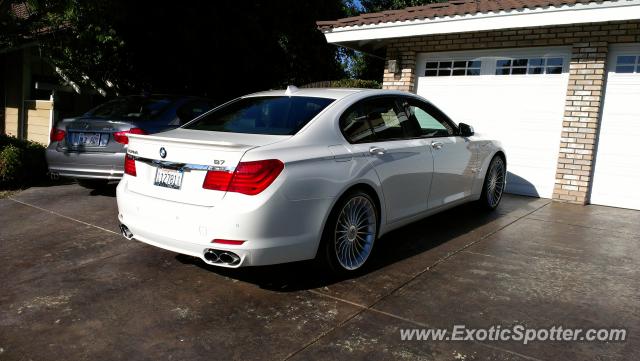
(22, 163)
(355, 83)
(344, 83)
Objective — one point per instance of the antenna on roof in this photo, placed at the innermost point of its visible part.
(291, 89)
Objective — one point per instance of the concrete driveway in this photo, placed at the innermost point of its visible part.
(74, 289)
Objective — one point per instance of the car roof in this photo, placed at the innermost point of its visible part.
(332, 93)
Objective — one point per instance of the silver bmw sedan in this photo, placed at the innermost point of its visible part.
(91, 147)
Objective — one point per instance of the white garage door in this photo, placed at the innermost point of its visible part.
(515, 96)
(616, 179)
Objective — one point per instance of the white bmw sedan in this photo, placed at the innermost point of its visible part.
(282, 176)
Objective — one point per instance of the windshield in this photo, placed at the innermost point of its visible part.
(276, 115)
(135, 107)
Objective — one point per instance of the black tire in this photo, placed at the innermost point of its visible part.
(93, 183)
(494, 184)
(331, 242)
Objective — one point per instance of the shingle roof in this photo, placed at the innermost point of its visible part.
(450, 8)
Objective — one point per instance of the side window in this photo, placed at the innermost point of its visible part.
(377, 119)
(432, 122)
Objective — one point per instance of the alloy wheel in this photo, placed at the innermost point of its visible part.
(495, 182)
(355, 232)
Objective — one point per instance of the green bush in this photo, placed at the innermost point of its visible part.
(22, 163)
(8, 140)
(11, 167)
(344, 83)
(355, 83)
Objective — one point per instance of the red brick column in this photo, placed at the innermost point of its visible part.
(587, 77)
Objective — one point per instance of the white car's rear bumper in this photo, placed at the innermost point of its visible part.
(275, 231)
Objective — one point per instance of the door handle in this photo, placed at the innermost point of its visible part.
(377, 151)
(437, 145)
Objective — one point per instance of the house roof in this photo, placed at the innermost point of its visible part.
(371, 33)
(445, 9)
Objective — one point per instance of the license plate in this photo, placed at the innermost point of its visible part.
(89, 139)
(168, 178)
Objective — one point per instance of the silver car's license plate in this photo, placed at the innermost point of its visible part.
(169, 178)
(89, 139)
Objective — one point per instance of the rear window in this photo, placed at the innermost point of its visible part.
(139, 108)
(262, 115)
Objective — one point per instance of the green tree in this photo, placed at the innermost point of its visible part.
(76, 36)
(218, 48)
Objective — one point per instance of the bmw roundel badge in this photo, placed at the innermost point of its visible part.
(163, 152)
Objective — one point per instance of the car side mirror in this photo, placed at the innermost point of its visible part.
(466, 130)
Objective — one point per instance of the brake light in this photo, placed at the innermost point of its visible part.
(122, 138)
(217, 180)
(130, 165)
(56, 135)
(227, 241)
(249, 178)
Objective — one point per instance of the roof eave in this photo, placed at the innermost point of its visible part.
(593, 12)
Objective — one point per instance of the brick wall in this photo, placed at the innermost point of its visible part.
(587, 78)
(587, 73)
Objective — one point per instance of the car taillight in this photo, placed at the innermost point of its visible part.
(130, 165)
(121, 137)
(249, 178)
(217, 180)
(56, 135)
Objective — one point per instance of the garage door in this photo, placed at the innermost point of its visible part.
(515, 96)
(616, 179)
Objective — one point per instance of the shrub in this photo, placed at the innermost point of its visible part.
(35, 162)
(22, 162)
(345, 83)
(6, 140)
(11, 167)
(355, 83)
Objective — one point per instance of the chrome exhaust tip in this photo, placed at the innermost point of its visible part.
(126, 233)
(212, 256)
(229, 258)
(54, 175)
(221, 257)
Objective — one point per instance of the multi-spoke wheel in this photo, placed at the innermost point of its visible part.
(350, 233)
(494, 183)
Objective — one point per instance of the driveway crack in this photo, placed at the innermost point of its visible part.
(62, 215)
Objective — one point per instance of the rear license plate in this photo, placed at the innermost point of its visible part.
(89, 139)
(168, 178)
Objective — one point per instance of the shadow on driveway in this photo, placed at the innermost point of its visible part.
(410, 241)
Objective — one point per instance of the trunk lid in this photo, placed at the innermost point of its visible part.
(92, 135)
(189, 153)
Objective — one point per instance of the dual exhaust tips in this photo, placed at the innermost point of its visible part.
(221, 257)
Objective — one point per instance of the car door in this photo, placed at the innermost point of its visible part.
(453, 157)
(379, 130)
